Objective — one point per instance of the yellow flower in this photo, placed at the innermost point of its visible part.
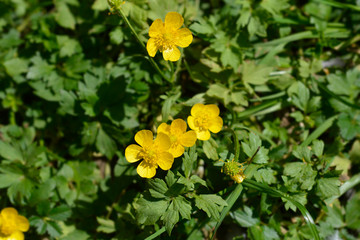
(153, 152)
(178, 136)
(204, 118)
(166, 37)
(12, 225)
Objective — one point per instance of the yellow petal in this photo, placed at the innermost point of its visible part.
(144, 138)
(183, 37)
(178, 126)
(177, 150)
(197, 109)
(165, 160)
(191, 122)
(132, 153)
(171, 54)
(173, 20)
(162, 142)
(203, 135)
(212, 110)
(216, 124)
(164, 128)
(146, 170)
(156, 28)
(188, 139)
(22, 224)
(16, 236)
(151, 47)
(9, 213)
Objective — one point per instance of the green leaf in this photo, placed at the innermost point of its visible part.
(183, 206)
(63, 15)
(16, 66)
(190, 157)
(148, 212)
(53, 229)
(349, 125)
(116, 36)
(302, 174)
(265, 175)
(68, 46)
(171, 217)
(230, 57)
(100, 5)
(8, 179)
(158, 188)
(211, 204)
(328, 187)
(39, 69)
(9, 152)
(255, 74)
(302, 153)
(318, 147)
(299, 197)
(245, 218)
(105, 144)
(352, 215)
(106, 225)
(61, 213)
(209, 148)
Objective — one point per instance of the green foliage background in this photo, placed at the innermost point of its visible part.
(75, 87)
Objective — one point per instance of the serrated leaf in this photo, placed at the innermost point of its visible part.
(211, 204)
(328, 187)
(254, 74)
(244, 218)
(60, 213)
(265, 175)
(171, 217)
(182, 206)
(9, 152)
(209, 148)
(53, 229)
(148, 212)
(158, 188)
(318, 147)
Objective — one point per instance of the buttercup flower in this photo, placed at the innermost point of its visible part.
(178, 136)
(166, 37)
(153, 152)
(12, 225)
(204, 118)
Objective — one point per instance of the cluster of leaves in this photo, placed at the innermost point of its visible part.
(75, 87)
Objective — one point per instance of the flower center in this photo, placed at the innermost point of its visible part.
(149, 155)
(202, 122)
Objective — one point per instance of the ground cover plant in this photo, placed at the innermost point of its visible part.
(179, 119)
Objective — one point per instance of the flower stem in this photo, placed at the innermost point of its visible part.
(151, 60)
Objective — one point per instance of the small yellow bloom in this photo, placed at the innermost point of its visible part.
(12, 225)
(234, 170)
(153, 152)
(178, 136)
(204, 118)
(166, 37)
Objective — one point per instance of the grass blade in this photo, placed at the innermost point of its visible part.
(271, 191)
(230, 201)
(156, 234)
(339, 4)
(320, 130)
